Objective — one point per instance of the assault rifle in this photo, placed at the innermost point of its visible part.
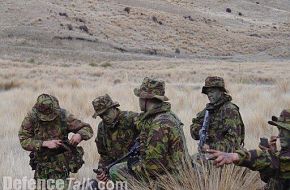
(203, 132)
(133, 153)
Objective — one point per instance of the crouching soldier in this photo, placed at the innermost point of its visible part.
(116, 135)
(44, 132)
(271, 163)
(162, 142)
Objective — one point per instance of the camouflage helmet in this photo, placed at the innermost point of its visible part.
(102, 104)
(151, 88)
(46, 107)
(282, 121)
(214, 82)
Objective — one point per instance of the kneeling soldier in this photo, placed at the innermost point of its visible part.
(116, 135)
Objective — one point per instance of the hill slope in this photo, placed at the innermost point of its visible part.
(101, 30)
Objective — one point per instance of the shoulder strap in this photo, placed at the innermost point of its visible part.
(63, 123)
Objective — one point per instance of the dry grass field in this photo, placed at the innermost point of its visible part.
(80, 49)
(261, 89)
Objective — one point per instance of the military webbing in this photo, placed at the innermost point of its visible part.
(63, 124)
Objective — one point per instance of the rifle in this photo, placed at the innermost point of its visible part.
(134, 151)
(203, 132)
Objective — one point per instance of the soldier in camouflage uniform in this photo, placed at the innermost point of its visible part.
(162, 143)
(116, 133)
(43, 132)
(274, 164)
(226, 128)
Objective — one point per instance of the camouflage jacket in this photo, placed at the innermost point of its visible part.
(226, 128)
(161, 142)
(33, 131)
(114, 142)
(274, 165)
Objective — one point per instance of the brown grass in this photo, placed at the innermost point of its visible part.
(77, 85)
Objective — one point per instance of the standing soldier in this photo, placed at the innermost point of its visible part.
(44, 132)
(273, 164)
(162, 145)
(226, 128)
(116, 134)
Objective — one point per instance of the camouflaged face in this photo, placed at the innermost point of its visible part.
(213, 82)
(46, 107)
(102, 104)
(226, 128)
(283, 120)
(151, 88)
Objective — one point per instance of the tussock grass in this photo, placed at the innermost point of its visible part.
(76, 86)
(204, 176)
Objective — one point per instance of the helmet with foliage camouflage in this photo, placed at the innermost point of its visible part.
(282, 121)
(102, 104)
(214, 82)
(46, 107)
(151, 88)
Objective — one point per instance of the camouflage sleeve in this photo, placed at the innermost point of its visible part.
(26, 135)
(101, 146)
(133, 118)
(156, 149)
(77, 126)
(196, 125)
(256, 160)
(231, 131)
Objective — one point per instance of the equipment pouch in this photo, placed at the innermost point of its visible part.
(75, 159)
(32, 162)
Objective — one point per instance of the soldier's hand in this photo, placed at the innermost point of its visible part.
(273, 145)
(75, 139)
(221, 158)
(102, 176)
(52, 144)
